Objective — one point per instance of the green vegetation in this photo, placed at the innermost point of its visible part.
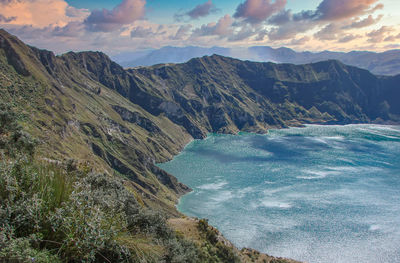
(64, 111)
(214, 248)
(53, 212)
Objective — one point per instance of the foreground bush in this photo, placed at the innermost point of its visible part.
(49, 214)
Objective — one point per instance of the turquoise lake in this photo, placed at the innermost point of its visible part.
(317, 194)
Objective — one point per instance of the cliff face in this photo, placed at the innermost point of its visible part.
(221, 94)
(85, 106)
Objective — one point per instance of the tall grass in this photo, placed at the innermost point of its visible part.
(50, 213)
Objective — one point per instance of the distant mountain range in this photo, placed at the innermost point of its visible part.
(385, 63)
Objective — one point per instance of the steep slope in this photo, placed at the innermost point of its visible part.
(221, 94)
(385, 63)
(87, 107)
(73, 116)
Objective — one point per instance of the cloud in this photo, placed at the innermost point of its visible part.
(182, 32)
(56, 25)
(261, 35)
(333, 10)
(63, 39)
(148, 31)
(342, 9)
(245, 32)
(332, 15)
(299, 41)
(39, 13)
(109, 20)
(329, 32)
(201, 10)
(257, 11)
(72, 29)
(379, 35)
(290, 29)
(392, 46)
(281, 18)
(8, 1)
(142, 32)
(76, 12)
(369, 21)
(392, 38)
(347, 38)
(4, 19)
(221, 28)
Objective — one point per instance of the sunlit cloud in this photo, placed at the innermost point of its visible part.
(39, 13)
(109, 20)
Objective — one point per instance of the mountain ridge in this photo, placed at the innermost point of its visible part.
(383, 63)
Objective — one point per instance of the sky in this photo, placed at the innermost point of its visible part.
(115, 26)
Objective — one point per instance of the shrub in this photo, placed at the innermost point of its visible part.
(151, 223)
(20, 250)
(51, 212)
(91, 220)
(211, 234)
(214, 250)
(180, 250)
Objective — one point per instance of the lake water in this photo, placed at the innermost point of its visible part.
(317, 194)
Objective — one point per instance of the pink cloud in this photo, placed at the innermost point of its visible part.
(365, 22)
(39, 13)
(332, 15)
(222, 28)
(256, 11)
(109, 20)
(342, 9)
(377, 36)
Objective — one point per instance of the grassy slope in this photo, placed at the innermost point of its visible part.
(72, 120)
